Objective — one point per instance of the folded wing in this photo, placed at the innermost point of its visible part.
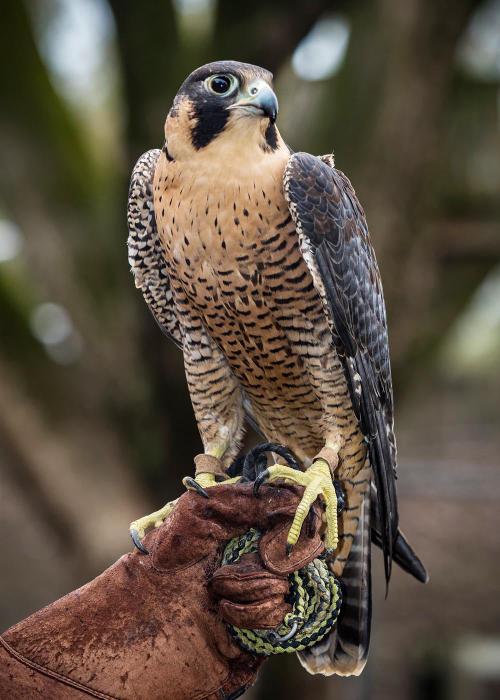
(335, 243)
(144, 247)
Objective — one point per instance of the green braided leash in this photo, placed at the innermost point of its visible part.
(315, 597)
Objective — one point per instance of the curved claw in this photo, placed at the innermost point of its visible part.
(259, 481)
(193, 485)
(275, 637)
(311, 523)
(255, 461)
(237, 693)
(317, 480)
(134, 536)
(341, 501)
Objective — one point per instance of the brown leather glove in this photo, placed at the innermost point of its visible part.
(148, 628)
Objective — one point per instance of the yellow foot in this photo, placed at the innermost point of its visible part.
(317, 481)
(139, 527)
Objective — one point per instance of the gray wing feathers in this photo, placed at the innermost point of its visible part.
(144, 247)
(335, 243)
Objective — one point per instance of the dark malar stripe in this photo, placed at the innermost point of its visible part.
(210, 122)
(166, 152)
(271, 137)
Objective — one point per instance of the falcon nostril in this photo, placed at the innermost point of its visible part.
(254, 91)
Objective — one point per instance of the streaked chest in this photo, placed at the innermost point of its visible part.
(234, 260)
(229, 241)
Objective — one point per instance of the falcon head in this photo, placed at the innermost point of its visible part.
(222, 101)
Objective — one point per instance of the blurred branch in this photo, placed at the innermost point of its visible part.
(465, 240)
(58, 425)
(37, 131)
(405, 147)
(84, 495)
(261, 32)
(151, 59)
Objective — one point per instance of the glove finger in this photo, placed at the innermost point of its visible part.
(273, 551)
(246, 583)
(266, 614)
(199, 525)
(247, 565)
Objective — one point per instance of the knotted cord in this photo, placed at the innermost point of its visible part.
(315, 597)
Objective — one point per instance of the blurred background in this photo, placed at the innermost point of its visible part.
(96, 425)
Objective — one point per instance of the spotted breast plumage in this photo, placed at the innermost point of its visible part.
(257, 262)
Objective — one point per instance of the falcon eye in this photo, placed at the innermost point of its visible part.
(221, 84)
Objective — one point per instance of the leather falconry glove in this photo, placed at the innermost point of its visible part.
(151, 626)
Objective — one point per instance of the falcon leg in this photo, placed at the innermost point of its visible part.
(218, 409)
(209, 470)
(138, 528)
(202, 481)
(318, 482)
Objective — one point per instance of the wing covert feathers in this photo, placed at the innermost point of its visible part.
(336, 245)
(144, 247)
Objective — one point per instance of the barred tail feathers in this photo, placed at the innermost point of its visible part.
(344, 652)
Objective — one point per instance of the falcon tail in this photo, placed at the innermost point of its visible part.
(345, 650)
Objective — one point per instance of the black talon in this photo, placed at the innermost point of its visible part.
(311, 523)
(341, 503)
(191, 483)
(236, 468)
(237, 693)
(260, 464)
(255, 462)
(134, 535)
(259, 481)
(250, 466)
(287, 455)
(288, 549)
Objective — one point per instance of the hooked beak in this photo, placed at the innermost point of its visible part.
(263, 102)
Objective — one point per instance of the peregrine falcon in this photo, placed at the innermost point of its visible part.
(256, 261)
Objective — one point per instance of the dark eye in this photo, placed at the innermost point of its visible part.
(221, 84)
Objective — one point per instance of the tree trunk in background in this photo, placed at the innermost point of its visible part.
(61, 450)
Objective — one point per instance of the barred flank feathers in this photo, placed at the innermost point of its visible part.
(144, 247)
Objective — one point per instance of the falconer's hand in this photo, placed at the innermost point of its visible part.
(154, 625)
